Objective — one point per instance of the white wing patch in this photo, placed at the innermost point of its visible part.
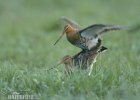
(91, 43)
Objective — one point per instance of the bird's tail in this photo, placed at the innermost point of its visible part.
(102, 49)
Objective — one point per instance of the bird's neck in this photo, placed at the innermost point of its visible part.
(72, 36)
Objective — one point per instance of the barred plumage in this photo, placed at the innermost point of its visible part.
(83, 59)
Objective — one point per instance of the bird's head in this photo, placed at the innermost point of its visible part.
(67, 29)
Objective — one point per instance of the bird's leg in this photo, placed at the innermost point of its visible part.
(90, 70)
(91, 66)
(68, 70)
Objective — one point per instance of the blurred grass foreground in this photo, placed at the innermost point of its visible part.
(28, 30)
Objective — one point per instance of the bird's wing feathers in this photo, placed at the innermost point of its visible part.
(98, 29)
(71, 22)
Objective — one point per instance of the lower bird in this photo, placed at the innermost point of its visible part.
(83, 59)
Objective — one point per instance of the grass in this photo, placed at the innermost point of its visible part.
(28, 30)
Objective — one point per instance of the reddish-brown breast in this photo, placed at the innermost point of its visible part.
(71, 34)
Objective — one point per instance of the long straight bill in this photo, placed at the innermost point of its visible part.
(59, 37)
(59, 63)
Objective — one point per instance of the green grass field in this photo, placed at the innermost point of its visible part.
(28, 30)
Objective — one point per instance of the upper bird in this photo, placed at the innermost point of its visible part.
(86, 38)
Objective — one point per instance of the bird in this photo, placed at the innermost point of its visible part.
(86, 38)
(83, 59)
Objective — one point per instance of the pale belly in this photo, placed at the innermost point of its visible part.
(91, 43)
